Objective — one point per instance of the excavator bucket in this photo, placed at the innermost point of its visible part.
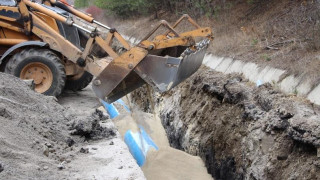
(162, 63)
(162, 72)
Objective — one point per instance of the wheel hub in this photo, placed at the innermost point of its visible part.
(41, 75)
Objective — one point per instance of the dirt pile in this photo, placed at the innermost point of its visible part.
(239, 130)
(35, 139)
(91, 129)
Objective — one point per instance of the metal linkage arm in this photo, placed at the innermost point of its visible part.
(72, 10)
(163, 23)
(171, 38)
(186, 16)
(78, 13)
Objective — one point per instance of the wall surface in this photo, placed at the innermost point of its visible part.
(287, 83)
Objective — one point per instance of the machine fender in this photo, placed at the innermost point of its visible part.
(23, 44)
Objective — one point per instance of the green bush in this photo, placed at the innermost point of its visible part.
(266, 57)
(125, 8)
(195, 8)
(254, 42)
(81, 3)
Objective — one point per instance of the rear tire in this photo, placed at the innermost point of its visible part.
(41, 65)
(79, 82)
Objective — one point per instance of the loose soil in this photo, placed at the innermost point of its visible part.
(38, 136)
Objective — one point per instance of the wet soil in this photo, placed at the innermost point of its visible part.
(167, 162)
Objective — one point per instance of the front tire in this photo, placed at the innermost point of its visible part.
(41, 65)
(79, 81)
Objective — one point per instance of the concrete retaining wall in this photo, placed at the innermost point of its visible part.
(289, 84)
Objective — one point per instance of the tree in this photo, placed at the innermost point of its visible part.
(124, 8)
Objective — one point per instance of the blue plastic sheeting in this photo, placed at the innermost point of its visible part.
(148, 139)
(123, 104)
(139, 144)
(259, 83)
(111, 109)
(134, 148)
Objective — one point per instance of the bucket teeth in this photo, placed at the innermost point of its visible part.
(199, 46)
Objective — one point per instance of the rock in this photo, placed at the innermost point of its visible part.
(46, 151)
(251, 106)
(286, 116)
(111, 143)
(30, 84)
(316, 163)
(52, 150)
(84, 150)
(54, 98)
(282, 157)
(70, 142)
(61, 165)
(45, 167)
(121, 167)
(1, 167)
(62, 158)
(48, 145)
(91, 128)
(94, 148)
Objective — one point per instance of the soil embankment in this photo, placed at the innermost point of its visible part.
(239, 130)
(42, 139)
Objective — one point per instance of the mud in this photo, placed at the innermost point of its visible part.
(35, 133)
(167, 162)
(239, 130)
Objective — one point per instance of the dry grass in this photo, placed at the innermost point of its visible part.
(283, 34)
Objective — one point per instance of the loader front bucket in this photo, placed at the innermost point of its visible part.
(164, 73)
(161, 72)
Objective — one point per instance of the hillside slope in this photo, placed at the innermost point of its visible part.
(283, 34)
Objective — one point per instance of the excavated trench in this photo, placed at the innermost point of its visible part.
(240, 131)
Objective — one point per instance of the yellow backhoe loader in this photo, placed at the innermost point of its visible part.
(43, 42)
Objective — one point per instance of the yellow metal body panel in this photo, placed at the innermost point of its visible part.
(49, 20)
